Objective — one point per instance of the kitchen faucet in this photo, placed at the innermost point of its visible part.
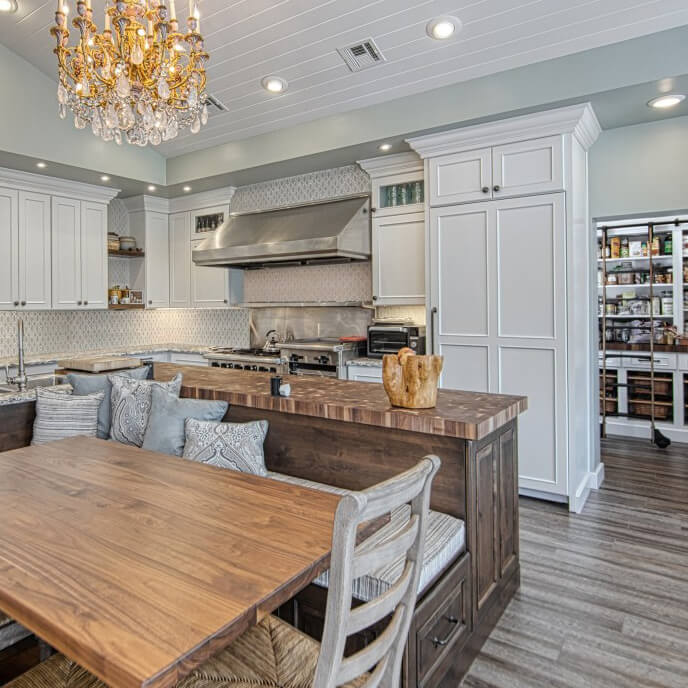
(20, 378)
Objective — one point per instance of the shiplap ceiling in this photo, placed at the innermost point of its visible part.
(297, 40)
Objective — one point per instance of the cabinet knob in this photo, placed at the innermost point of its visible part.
(374, 298)
(78, 303)
(85, 303)
(16, 303)
(486, 189)
(225, 300)
(496, 187)
(150, 303)
(23, 303)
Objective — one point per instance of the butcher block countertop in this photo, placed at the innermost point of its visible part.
(464, 415)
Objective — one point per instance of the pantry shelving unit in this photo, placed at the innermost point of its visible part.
(643, 376)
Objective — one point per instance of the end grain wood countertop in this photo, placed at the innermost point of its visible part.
(464, 415)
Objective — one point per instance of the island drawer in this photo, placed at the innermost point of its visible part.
(441, 624)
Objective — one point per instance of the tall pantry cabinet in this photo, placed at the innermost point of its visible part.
(510, 284)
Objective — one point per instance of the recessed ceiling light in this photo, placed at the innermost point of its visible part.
(8, 6)
(667, 101)
(384, 147)
(152, 188)
(187, 189)
(105, 178)
(442, 28)
(42, 165)
(274, 84)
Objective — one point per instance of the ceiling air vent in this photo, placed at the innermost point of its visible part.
(362, 55)
(215, 104)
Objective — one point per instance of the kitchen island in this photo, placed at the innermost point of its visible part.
(346, 434)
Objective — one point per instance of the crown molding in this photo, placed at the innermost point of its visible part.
(203, 199)
(387, 165)
(579, 120)
(140, 204)
(41, 183)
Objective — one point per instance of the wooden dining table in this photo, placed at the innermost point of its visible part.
(139, 566)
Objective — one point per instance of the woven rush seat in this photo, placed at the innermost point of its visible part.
(271, 654)
(445, 540)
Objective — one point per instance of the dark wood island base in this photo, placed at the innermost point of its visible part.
(346, 434)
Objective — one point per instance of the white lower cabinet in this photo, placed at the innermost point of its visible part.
(498, 284)
(79, 254)
(399, 259)
(359, 373)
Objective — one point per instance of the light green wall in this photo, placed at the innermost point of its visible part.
(528, 88)
(640, 169)
(29, 125)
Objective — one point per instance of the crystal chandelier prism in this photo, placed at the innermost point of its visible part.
(140, 80)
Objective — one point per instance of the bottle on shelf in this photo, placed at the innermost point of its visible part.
(624, 251)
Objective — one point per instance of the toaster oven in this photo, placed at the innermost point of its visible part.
(389, 338)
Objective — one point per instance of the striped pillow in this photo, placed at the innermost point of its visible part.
(60, 415)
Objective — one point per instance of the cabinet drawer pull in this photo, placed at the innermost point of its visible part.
(441, 642)
(16, 303)
(486, 189)
(78, 303)
(23, 303)
(497, 188)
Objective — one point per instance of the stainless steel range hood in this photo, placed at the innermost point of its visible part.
(328, 232)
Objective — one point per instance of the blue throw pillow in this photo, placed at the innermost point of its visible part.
(83, 385)
(165, 431)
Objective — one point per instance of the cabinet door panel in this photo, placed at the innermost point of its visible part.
(180, 261)
(508, 501)
(9, 255)
(487, 522)
(530, 266)
(94, 266)
(528, 167)
(460, 263)
(66, 258)
(209, 285)
(34, 251)
(461, 177)
(465, 367)
(534, 372)
(157, 261)
(399, 259)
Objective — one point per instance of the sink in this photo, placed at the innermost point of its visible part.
(32, 383)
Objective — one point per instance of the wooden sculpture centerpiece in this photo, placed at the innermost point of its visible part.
(410, 380)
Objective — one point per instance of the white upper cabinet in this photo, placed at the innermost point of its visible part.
(157, 263)
(210, 286)
(34, 251)
(94, 265)
(180, 261)
(9, 255)
(461, 177)
(399, 259)
(528, 167)
(398, 241)
(66, 254)
(79, 255)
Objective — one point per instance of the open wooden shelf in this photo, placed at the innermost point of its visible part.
(126, 254)
(127, 307)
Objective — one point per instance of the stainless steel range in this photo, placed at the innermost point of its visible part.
(326, 357)
(260, 360)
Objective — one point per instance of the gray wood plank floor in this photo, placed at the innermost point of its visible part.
(604, 594)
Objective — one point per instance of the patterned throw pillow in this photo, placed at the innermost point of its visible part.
(60, 415)
(237, 446)
(131, 405)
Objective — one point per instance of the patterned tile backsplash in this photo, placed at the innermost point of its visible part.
(76, 331)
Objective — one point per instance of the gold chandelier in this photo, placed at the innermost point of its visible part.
(141, 79)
